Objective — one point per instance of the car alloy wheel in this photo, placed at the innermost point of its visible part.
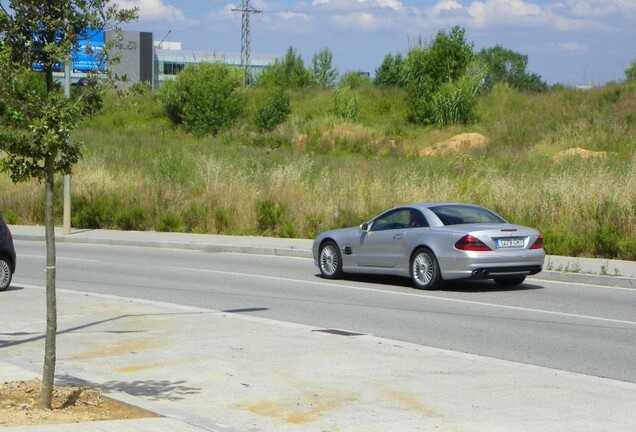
(5, 274)
(330, 262)
(425, 270)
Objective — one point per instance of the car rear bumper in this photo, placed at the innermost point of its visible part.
(486, 265)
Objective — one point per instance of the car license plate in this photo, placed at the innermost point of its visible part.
(509, 242)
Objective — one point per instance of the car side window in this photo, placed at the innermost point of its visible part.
(417, 219)
(396, 219)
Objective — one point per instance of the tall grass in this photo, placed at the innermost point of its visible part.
(317, 171)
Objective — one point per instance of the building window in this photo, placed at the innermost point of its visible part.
(172, 68)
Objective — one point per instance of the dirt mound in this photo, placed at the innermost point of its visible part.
(580, 152)
(462, 143)
(19, 405)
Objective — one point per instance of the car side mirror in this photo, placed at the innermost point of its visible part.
(365, 226)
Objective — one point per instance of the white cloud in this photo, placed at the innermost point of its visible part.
(569, 47)
(442, 6)
(360, 4)
(597, 8)
(508, 12)
(360, 21)
(155, 10)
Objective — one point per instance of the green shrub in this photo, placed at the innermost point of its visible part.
(287, 72)
(141, 88)
(223, 220)
(274, 112)
(94, 212)
(169, 223)
(133, 218)
(345, 218)
(314, 223)
(565, 243)
(195, 218)
(287, 230)
(10, 217)
(204, 98)
(454, 102)
(269, 213)
(355, 80)
(345, 103)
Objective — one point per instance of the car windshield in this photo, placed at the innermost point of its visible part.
(459, 214)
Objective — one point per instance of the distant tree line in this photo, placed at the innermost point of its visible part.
(441, 80)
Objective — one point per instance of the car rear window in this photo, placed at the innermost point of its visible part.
(459, 214)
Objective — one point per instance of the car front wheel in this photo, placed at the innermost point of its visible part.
(330, 260)
(5, 274)
(425, 272)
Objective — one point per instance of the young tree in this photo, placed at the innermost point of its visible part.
(630, 72)
(288, 72)
(38, 119)
(504, 65)
(445, 60)
(322, 70)
(275, 112)
(389, 73)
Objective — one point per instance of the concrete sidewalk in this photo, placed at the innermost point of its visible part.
(206, 370)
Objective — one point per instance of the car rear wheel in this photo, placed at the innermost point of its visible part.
(5, 274)
(510, 281)
(425, 272)
(330, 260)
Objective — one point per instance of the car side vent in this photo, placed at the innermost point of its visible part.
(347, 250)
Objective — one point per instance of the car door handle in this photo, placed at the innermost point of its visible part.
(397, 236)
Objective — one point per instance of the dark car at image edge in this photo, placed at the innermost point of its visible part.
(7, 256)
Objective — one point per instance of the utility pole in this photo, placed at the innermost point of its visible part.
(246, 10)
(67, 177)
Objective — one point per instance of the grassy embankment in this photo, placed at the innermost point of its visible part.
(317, 172)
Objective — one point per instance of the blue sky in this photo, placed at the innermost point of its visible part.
(567, 41)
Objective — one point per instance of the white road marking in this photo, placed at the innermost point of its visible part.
(419, 295)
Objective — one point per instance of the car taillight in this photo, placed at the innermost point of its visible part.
(538, 244)
(470, 243)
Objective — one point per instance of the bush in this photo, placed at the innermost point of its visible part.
(274, 112)
(269, 213)
(454, 102)
(94, 212)
(223, 220)
(169, 223)
(132, 218)
(355, 80)
(287, 72)
(345, 103)
(204, 98)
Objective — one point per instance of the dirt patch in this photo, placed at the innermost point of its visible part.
(20, 400)
(580, 152)
(462, 143)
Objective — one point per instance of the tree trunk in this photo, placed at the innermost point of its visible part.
(51, 302)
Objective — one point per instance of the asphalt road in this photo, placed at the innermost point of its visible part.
(573, 327)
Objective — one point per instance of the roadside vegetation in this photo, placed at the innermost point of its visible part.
(295, 160)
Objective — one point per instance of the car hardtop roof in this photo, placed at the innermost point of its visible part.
(428, 205)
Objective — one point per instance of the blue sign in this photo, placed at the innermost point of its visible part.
(88, 55)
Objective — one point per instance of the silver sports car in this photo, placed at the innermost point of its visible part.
(432, 243)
